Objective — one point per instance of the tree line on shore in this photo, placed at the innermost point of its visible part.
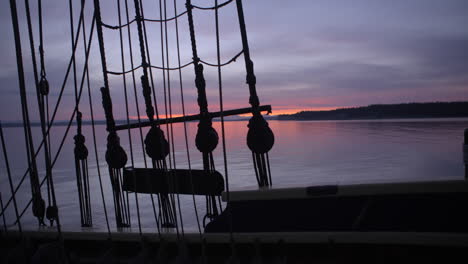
(378, 111)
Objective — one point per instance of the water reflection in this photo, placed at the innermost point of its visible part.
(305, 153)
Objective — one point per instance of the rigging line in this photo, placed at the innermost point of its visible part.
(219, 64)
(166, 84)
(40, 101)
(206, 138)
(72, 33)
(42, 90)
(173, 68)
(36, 191)
(127, 110)
(248, 62)
(143, 41)
(101, 44)
(85, 165)
(149, 59)
(138, 112)
(73, 114)
(215, 7)
(116, 157)
(4, 219)
(54, 113)
(10, 180)
(223, 134)
(134, 82)
(126, 107)
(165, 20)
(43, 73)
(117, 27)
(169, 206)
(185, 123)
(233, 59)
(41, 42)
(145, 19)
(124, 72)
(171, 128)
(52, 118)
(94, 130)
(260, 145)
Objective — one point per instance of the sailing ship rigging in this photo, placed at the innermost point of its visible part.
(160, 178)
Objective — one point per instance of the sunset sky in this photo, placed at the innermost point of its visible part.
(308, 55)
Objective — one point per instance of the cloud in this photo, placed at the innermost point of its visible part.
(307, 54)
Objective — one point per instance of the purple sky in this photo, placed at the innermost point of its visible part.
(317, 54)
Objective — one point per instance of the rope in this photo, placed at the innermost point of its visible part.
(223, 133)
(82, 175)
(10, 180)
(70, 121)
(156, 145)
(4, 219)
(39, 204)
(219, 64)
(138, 112)
(186, 133)
(80, 151)
(170, 128)
(215, 7)
(124, 72)
(42, 89)
(171, 68)
(260, 137)
(165, 20)
(127, 111)
(206, 139)
(43, 103)
(51, 122)
(91, 111)
(233, 59)
(120, 26)
(90, 100)
(117, 27)
(116, 157)
(149, 61)
(168, 204)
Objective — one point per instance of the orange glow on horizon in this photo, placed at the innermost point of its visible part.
(160, 117)
(290, 111)
(275, 112)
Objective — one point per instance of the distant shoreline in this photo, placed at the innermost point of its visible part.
(389, 111)
(434, 110)
(272, 118)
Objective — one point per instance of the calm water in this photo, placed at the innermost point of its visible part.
(305, 153)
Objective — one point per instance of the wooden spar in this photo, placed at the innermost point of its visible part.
(180, 119)
(198, 182)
